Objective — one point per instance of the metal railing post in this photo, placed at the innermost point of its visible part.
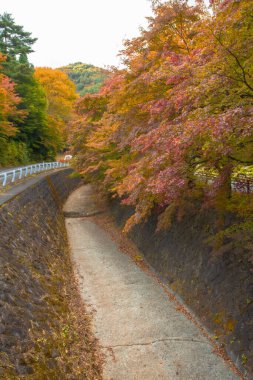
(5, 179)
(13, 176)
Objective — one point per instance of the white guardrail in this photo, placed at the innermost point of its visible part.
(11, 175)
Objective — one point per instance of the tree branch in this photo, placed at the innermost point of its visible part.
(229, 51)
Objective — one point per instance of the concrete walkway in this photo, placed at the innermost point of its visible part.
(142, 334)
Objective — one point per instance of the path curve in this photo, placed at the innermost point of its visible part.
(142, 334)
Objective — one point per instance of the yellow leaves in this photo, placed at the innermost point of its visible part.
(61, 96)
(152, 55)
(138, 258)
(132, 221)
(171, 107)
(60, 91)
(99, 139)
(165, 219)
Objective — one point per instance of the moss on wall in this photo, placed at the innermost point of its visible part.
(44, 330)
(217, 287)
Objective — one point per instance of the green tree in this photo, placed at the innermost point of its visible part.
(33, 131)
(87, 78)
(14, 41)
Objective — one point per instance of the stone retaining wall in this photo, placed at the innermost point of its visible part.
(34, 269)
(219, 289)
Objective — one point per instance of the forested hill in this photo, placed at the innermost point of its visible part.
(87, 78)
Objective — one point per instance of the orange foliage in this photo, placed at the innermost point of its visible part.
(8, 104)
(61, 96)
(181, 107)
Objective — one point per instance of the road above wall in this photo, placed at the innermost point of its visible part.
(12, 191)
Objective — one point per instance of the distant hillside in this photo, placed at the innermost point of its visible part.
(87, 78)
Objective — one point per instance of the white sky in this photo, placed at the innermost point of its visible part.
(68, 31)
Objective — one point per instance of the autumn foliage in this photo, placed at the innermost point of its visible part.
(88, 79)
(8, 104)
(61, 95)
(35, 105)
(181, 108)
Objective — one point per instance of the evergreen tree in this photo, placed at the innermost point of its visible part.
(14, 41)
(16, 44)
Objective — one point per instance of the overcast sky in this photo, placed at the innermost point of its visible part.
(90, 31)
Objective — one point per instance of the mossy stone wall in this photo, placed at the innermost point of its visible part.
(217, 287)
(34, 272)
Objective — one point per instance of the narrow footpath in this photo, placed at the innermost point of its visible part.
(142, 334)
